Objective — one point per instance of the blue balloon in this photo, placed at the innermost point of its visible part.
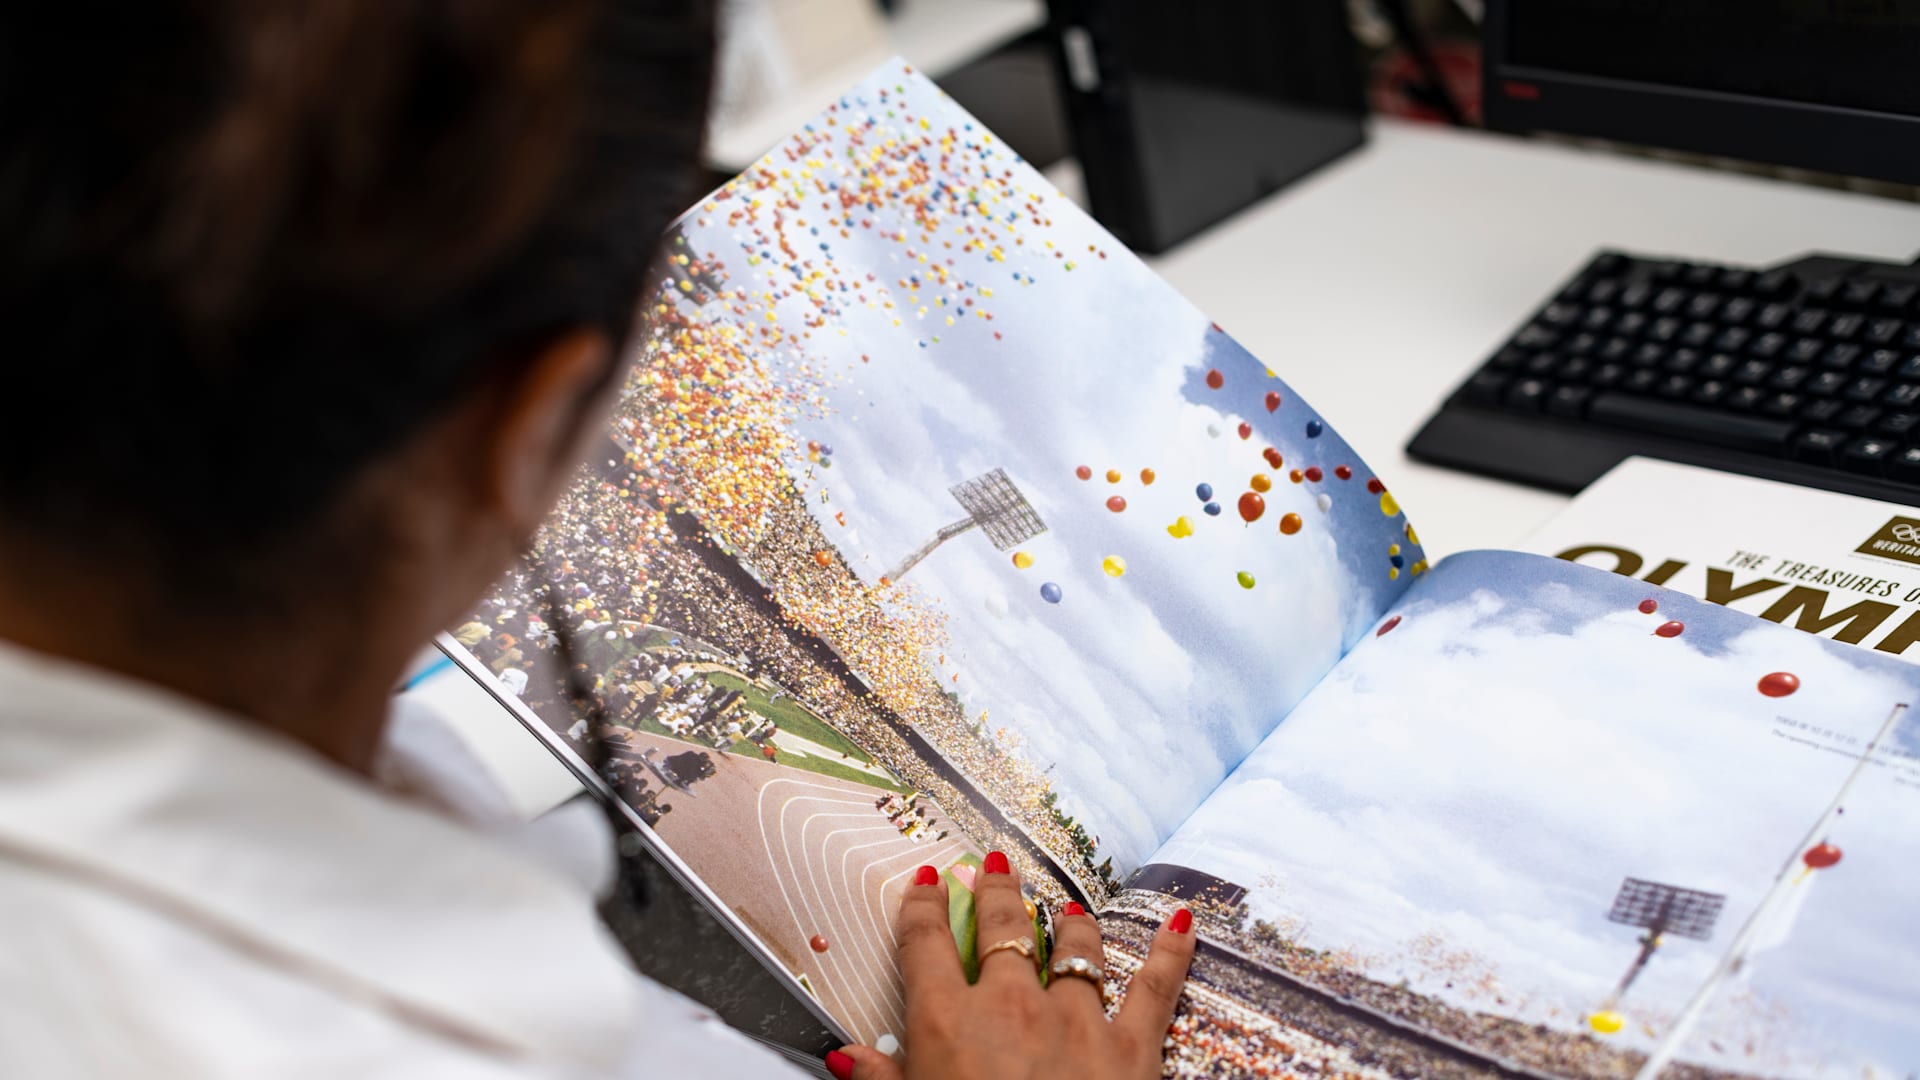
(1212, 509)
(1205, 491)
(1050, 593)
(825, 450)
(1314, 428)
(1398, 561)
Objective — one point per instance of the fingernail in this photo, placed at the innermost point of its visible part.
(1181, 922)
(1073, 908)
(839, 1064)
(996, 863)
(926, 875)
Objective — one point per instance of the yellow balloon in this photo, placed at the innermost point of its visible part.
(1180, 528)
(1114, 565)
(1606, 1022)
(1260, 482)
(1022, 560)
(1387, 505)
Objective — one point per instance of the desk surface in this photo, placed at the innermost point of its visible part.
(1376, 285)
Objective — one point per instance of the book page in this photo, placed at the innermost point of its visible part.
(1840, 566)
(1452, 855)
(929, 522)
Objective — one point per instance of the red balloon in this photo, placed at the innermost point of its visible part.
(1216, 380)
(1252, 506)
(1273, 400)
(1375, 487)
(1649, 606)
(1670, 629)
(1779, 684)
(1272, 454)
(1821, 855)
(1116, 504)
(1314, 475)
(1388, 625)
(823, 558)
(1083, 473)
(1246, 430)
(1343, 472)
(817, 943)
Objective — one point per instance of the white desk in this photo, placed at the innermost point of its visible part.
(1376, 285)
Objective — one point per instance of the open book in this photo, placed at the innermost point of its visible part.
(930, 522)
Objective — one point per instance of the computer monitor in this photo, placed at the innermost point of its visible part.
(1827, 85)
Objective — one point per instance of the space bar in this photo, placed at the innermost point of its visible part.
(1687, 422)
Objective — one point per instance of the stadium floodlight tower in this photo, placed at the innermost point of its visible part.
(1660, 910)
(994, 506)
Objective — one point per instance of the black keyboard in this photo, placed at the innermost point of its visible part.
(1807, 372)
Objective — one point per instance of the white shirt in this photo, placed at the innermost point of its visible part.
(184, 896)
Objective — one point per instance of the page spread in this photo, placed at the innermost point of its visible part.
(929, 522)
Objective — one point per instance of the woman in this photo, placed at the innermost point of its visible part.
(314, 306)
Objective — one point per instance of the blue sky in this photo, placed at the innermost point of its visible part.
(1494, 766)
(1139, 692)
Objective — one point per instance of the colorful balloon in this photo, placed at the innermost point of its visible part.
(1296, 476)
(1246, 430)
(1779, 684)
(1314, 428)
(1398, 561)
(1375, 487)
(1213, 431)
(1113, 476)
(1050, 593)
(1260, 483)
(1344, 472)
(1670, 629)
(1649, 606)
(1022, 560)
(1289, 524)
(1215, 380)
(1203, 492)
(1180, 529)
(1114, 565)
(823, 558)
(1387, 504)
(1212, 509)
(1251, 506)
(1147, 476)
(1272, 454)
(1116, 504)
(1386, 626)
(1324, 501)
(1607, 1022)
(1245, 579)
(1083, 473)
(1314, 475)
(1273, 400)
(1821, 856)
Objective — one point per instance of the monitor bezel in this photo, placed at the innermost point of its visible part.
(1825, 138)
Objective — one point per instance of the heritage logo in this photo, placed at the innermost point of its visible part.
(1897, 539)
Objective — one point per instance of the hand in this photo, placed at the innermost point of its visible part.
(1007, 1026)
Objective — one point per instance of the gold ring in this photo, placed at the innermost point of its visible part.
(1078, 967)
(1023, 946)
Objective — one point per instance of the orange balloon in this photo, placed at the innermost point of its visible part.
(1252, 506)
(1290, 524)
(1260, 482)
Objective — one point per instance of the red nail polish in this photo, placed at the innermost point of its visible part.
(840, 1065)
(1181, 922)
(926, 875)
(1073, 908)
(996, 863)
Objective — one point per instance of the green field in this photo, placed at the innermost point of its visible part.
(789, 715)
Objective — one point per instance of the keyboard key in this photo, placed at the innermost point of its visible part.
(1699, 275)
(1486, 386)
(1682, 361)
(1610, 264)
(1745, 399)
(1821, 411)
(1616, 349)
(1597, 318)
(1669, 301)
(1732, 338)
(1879, 362)
(1738, 310)
(1641, 382)
(1768, 346)
(1810, 321)
(1545, 363)
(1608, 375)
(1649, 355)
(1859, 294)
(1826, 384)
(1902, 396)
(1569, 401)
(1705, 305)
(1537, 336)
(1900, 425)
(1912, 338)
(1863, 389)
(1582, 345)
(1688, 421)
(1630, 324)
(1857, 417)
(1773, 316)
(1575, 369)
(1527, 394)
(1819, 445)
(1898, 298)
(1752, 373)
(1883, 331)
(1665, 329)
(1867, 455)
(1674, 386)
(1910, 369)
(1905, 465)
(1565, 315)
(1789, 378)
(1635, 296)
(1709, 392)
(1603, 292)
(1782, 405)
(1844, 327)
(1719, 365)
(1822, 289)
(1807, 350)
(1735, 280)
(1775, 283)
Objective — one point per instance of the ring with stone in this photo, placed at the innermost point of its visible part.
(1078, 967)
